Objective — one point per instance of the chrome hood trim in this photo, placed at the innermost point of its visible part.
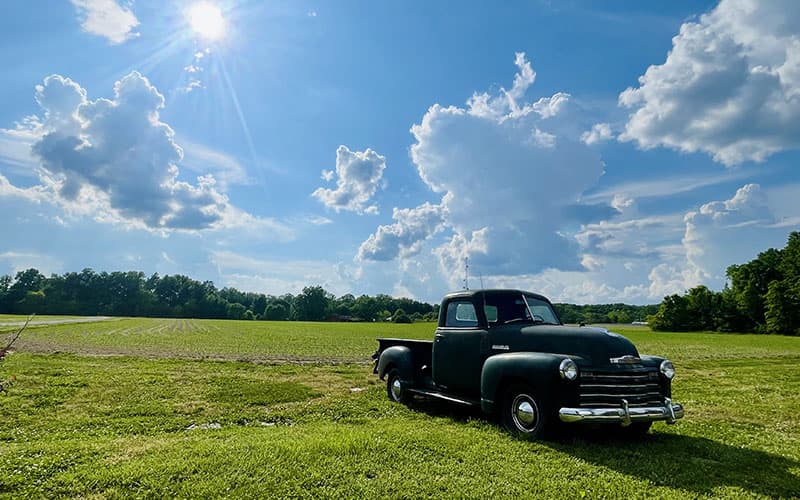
(625, 360)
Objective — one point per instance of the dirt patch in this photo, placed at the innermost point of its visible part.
(45, 322)
(44, 347)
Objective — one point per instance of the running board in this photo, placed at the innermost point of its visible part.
(439, 395)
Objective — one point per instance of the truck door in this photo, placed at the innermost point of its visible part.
(457, 350)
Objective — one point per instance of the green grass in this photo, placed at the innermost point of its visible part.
(157, 421)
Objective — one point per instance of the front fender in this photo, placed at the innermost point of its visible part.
(663, 382)
(539, 370)
(399, 357)
(648, 360)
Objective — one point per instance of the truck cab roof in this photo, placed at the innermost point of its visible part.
(469, 294)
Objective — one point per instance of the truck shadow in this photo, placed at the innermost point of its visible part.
(438, 408)
(690, 463)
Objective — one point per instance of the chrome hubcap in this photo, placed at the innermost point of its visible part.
(397, 389)
(524, 412)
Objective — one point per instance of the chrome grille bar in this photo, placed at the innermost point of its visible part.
(624, 386)
(606, 389)
(620, 395)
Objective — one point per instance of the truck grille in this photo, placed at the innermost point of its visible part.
(608, 389)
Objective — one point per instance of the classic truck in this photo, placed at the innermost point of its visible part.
(507, 352)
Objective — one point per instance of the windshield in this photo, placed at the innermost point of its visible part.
(504, 309)
(541, 311)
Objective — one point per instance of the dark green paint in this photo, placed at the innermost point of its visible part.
(478, 363)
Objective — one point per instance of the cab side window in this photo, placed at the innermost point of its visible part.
(502, 308)
(490, 312)
(461, 314)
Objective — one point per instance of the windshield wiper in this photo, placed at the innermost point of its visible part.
(517, 320)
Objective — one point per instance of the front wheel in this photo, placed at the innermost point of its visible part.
(395, 388)
(523, 413)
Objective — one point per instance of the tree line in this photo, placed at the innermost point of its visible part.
(131, 293)
(762, 296)
(604, 313)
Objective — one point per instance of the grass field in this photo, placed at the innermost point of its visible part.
(190, 408)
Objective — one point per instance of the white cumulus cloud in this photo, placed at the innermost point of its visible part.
(107, 18)
(511, 172)
(115, 160)
(717, 235)
(728, 232)
(729, 87)
(120, 150)
(510, 177)
(405, 236)
(600, 132)
(359, 175)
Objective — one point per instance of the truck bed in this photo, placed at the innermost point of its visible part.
(421, 351)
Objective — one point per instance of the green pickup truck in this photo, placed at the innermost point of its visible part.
(507, 352)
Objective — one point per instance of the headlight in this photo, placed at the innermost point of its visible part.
(667, 369)
(568, 369)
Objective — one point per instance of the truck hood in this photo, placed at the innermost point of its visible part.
(589, 346)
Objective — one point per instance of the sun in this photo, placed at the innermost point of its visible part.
(206, 20)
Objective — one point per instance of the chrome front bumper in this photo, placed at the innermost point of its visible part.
(624, 415)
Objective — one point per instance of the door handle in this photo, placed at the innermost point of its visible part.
(439, 337)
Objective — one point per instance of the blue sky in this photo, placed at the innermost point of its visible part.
(594, 152)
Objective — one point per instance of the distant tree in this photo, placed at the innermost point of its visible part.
(5, 284)
(750, 283)
(568, 313)
(366, 308)
(783, 308)
(672, 315)
(592, 317)
(344, 305)
(312, 304)
(233, 295)
(215, 306)
(400, 316)
(703, 308)
(790, 263)
(729, 318)
(259, 304)
(236, 311)
(29, 280)
(276, 311)
(603, 313)
(619, 316)
(431, 316)
(31, 303)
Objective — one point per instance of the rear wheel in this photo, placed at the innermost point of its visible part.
(523, 413)
(395, 388)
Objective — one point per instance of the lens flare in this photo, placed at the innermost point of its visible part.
(206, 20)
